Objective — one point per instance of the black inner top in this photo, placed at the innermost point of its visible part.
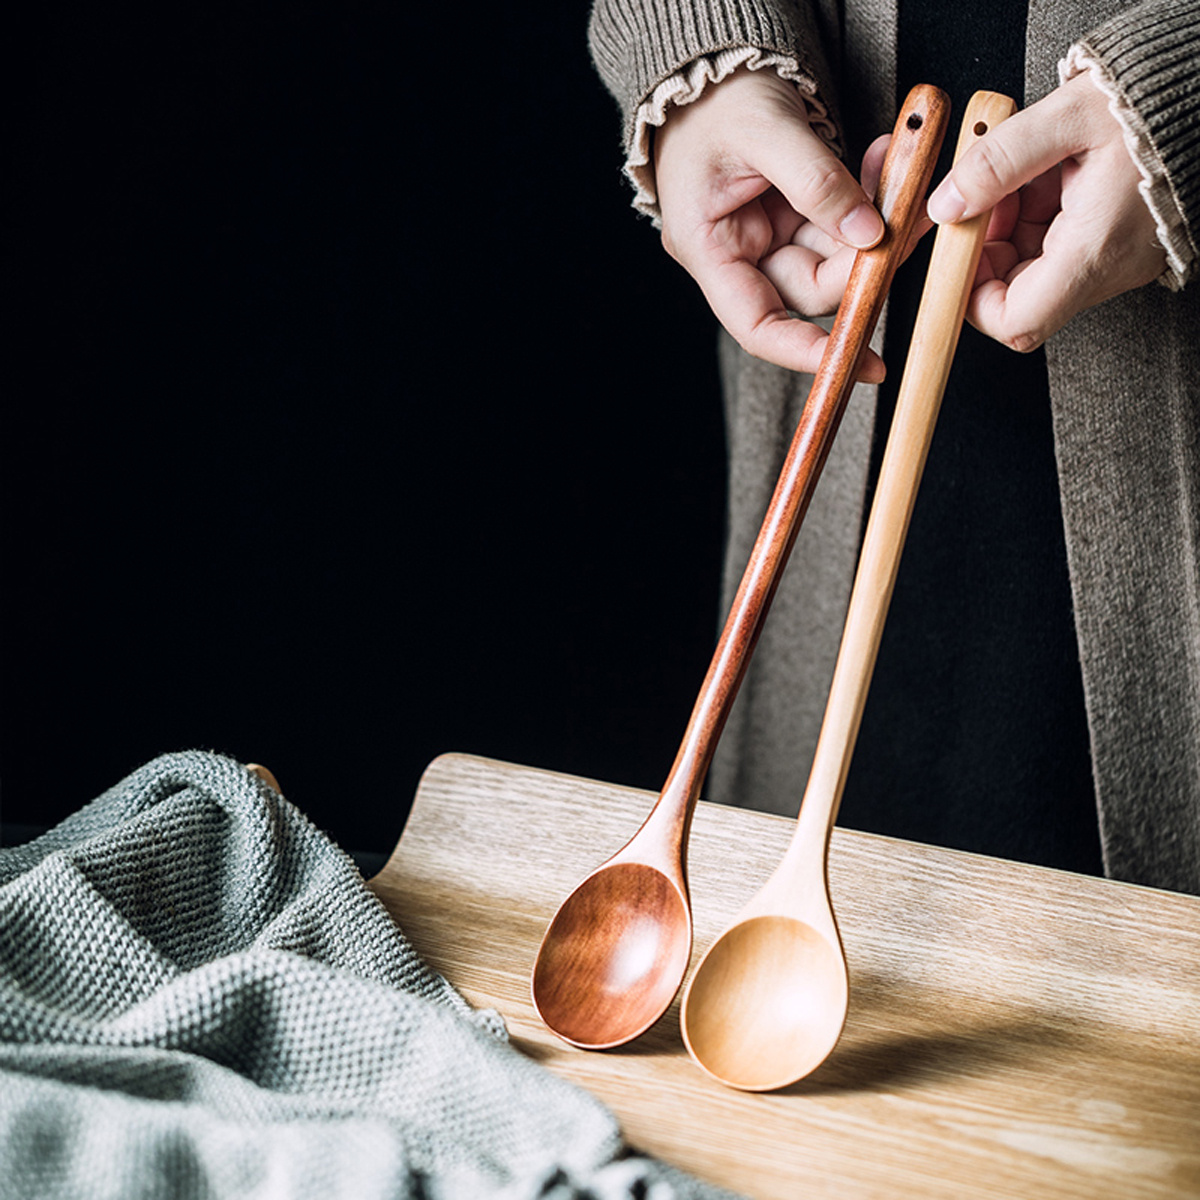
(974, 734)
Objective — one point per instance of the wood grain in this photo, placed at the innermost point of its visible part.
(907, 170)
(766, 1004)
(1013, 1032)
(952, 266)
(615, 953)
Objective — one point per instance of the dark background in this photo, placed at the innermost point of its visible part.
(354, 415)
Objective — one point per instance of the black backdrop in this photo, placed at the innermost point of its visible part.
(353, 418)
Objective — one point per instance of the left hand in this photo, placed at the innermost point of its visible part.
(1070, 227)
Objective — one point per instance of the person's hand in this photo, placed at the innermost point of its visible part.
(1070, 228)
(764, 215)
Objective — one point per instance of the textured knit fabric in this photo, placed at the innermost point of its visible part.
(199, 997)
(636, 47)
(1124, 383)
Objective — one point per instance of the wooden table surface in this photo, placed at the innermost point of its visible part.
(1014, 1032)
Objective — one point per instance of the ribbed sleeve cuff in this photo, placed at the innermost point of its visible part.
(636, 44)
(1145, 60)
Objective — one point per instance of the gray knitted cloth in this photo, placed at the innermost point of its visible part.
(199, 997)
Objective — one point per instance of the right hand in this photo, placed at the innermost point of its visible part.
(763, 215)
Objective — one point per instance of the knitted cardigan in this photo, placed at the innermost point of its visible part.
(1125, 394)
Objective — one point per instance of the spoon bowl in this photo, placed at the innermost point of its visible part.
(612, 958)
(767, 1004)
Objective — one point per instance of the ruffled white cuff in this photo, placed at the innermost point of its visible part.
(687, 85)
(1155, 187)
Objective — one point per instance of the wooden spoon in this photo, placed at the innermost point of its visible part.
(613, 957)
(768, 1000)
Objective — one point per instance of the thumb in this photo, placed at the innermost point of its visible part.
(1011, 155)
(816, 183)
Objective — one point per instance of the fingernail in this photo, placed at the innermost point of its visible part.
(946, 205)
(862, 228)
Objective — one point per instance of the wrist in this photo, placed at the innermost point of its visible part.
(1106, 69)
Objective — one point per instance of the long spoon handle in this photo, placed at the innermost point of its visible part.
(952, 265)
(907, 170)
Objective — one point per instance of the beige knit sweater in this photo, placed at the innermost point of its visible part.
(1125, 391)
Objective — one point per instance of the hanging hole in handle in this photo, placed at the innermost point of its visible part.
(915, 121)
(980, 128)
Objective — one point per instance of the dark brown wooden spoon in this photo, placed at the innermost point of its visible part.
(615, 954)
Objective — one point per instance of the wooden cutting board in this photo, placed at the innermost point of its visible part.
(1014, 1032)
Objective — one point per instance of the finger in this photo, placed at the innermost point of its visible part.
(817, 184)
(1003, 220)
(751, 309)
(808, 281)
(1011, 155)
(818, 241)
(998, 261)
(872, 172)
(788, 225)
(748, 305)
(872, 164)
(722, 258)
(1034, 299)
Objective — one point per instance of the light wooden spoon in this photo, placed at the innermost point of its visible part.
(613, 958)
(769, 998)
